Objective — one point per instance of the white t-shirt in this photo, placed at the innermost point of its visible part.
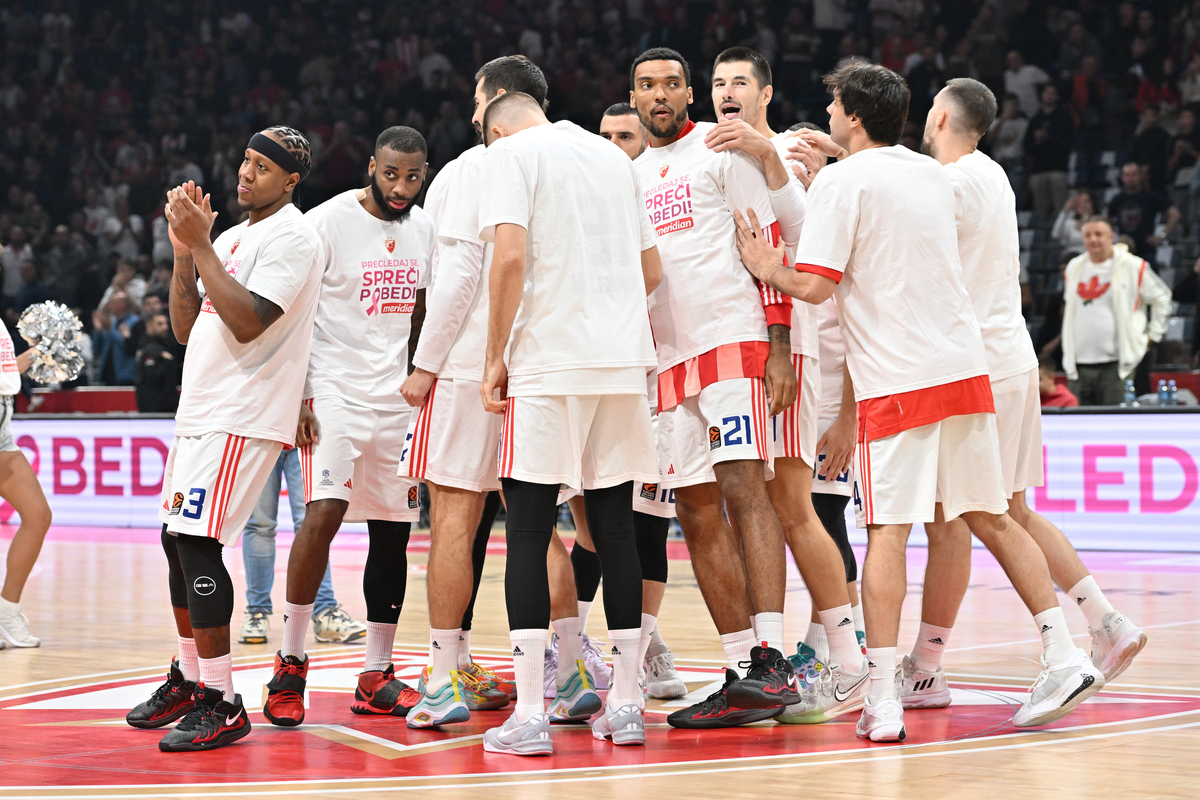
(706, 298)
(882, 223)
(373, 269)
(584, 303)
(254, 389)
(989, 247)
(804, 315)
(1095, 320)
(10, 376)
(453, 341)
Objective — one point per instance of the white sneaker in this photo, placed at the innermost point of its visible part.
(882, 722)
(14, 627)
(1058, 690)
(599, 670)
(662, 681)
(335, 625)
(835, 692)
(919, 689)
(529, 738)
(623, 726)
(255, 627)
(1115, 644)
(550, 670)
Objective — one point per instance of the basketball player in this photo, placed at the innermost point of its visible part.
(990, 252)
(880, 231)
(567, 302)
(621, 126)
(248, 323)
(741, 92)
(378, 253)
(724, 363)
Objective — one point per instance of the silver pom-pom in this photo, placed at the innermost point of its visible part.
(54, 334)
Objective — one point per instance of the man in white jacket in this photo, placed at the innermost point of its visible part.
(1105, 331)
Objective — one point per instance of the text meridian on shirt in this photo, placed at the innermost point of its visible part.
(670, 205)
(389, 285)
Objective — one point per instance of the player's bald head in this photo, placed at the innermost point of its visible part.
(509, 113)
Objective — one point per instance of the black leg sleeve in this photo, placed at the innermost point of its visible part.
(209, 587)
(610, 518)
(385, 576)
(532, 508)
(586, 566)
(651, 535)
(174, 571)
(831, 510)
(491, 506)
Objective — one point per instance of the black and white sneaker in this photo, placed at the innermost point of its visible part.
(214, 722)
(770, 681)
(167, 703)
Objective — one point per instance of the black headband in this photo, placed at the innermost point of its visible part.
(277, 153)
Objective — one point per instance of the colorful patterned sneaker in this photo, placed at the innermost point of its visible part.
(770, 681)
(167, 703)
(214, 722)
(480, 694)
(1058, 689)
(482, 673)
(550, 670)
(335, 625)
(882, 722)
(623, 726)
(715, 711)
(381, 692)
(862, 641)
(1115, 644)
(255, 627)
(662, 682)
(806, 664)
(835, 692)
(529, 738)
(575, 699)
(285, 692)
(442, 707)
(593, 658)
(919, 689)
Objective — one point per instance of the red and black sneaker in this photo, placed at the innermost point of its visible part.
(168, 702)
(770, 681)
(381, 692)
(716, 712)
(285, 692)
(214, 722)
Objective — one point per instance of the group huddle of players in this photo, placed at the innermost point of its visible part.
(815, 332)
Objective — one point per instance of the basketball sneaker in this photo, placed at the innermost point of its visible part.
(715, 711)
(335, 625)
(575, 699)
(835, 692)
(14, 626)
(379, 691)
(167, 703)
(441, 707)
(770, 681)
(481, 694)
(662, 682)
(214, 722)
(862, 641)
(806, 665)
(529, 738)
(489, 677)
(882, 722)
(1058, 690)
(919, 689)
(285, 692)
(1115, 644)
(600, 671)
(254, 628)
(622, 726)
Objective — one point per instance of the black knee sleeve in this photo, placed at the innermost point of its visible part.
(209, 587)
(831, 510)
(491, 506)
(586, 566)
(651, 535)
(610, 518)
(385, 576)
(532, 508)
(174, 571)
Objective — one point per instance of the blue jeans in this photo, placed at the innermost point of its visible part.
(258, 540)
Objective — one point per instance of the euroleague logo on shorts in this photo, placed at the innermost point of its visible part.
(204, 585)
(177, 503)
(649, 491)
(714, 437)
(414, 500)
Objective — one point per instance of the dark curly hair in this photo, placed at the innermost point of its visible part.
(294, 142)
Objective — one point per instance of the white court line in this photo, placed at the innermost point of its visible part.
(391, 745)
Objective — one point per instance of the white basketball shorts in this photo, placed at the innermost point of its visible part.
(1019, 424)
(453, 441)
(796, 428)
(728, 421)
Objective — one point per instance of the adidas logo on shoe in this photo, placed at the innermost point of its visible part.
(845, 622)
(517, 651)
(1045, 628)
(936, 640)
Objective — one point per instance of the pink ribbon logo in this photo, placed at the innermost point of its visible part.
(374, 309)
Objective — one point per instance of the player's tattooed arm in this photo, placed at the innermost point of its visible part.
(184, 302)
(266, 311)
(780, 375)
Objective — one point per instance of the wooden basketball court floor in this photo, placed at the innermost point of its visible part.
(98, 600)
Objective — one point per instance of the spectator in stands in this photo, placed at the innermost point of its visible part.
(1105, 331)
(125, 279)
(112, 325)
(1054, 394)
(33, 291)
(1068, 227)
(1187, 290)
(153, 304)
(1185, 149)
(156, 369)
(1135, 209)
(1159, 89)
(1089, 92)
(988, 49)
(67, 259)
(16, 253)
(1080, 44)
(1151, 147)
(1189, 85)
(1006, 140)
(124, 231)
(1048, 149)
(1025, 81)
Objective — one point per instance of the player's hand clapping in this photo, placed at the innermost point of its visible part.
(189, 212)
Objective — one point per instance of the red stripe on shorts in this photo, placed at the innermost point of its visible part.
(240, 446)
(217, 485)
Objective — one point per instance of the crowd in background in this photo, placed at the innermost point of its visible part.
(104, 105)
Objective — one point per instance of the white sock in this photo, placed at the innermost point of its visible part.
(570, 645)
(656, 637)
(1091, 601)
(529, 647)
(443, 656)
(737, 648)
(649, 625)
(930, 647)
(627, 664)
(856, 612)
(295, 628)
(464, 649)
(881, 663)
(815, 638)
(217, 673)
(1056, 639)
(839, 630)
(585, 608)
(768, 627)
(189, 662)
(381, 636)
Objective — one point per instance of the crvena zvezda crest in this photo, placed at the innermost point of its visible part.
(390, 243)
(662, 171)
